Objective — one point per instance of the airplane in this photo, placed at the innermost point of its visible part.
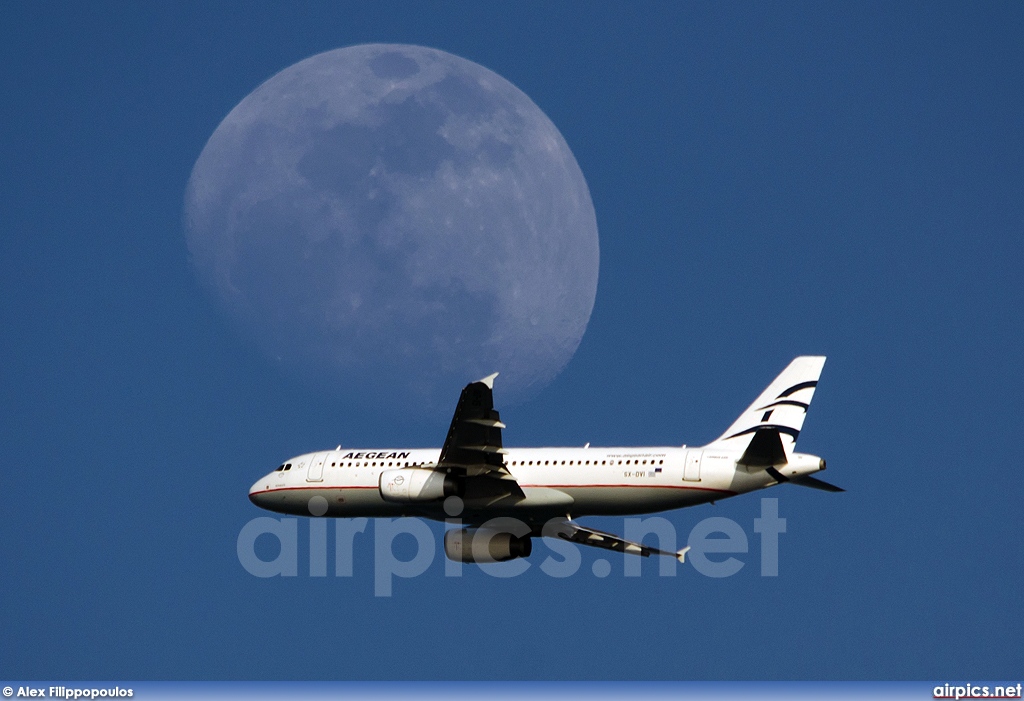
(508, 496)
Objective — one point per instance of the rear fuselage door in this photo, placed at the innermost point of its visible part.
(316, 468)
(691, 470)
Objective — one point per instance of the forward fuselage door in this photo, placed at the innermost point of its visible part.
(691, 470)
(316, 468)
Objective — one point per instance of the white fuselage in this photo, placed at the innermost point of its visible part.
(557, 482)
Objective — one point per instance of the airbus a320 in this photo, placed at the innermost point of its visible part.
(506, 497)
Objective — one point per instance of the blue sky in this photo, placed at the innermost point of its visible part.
(769, 181)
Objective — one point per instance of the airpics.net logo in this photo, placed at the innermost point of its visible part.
(714, 544)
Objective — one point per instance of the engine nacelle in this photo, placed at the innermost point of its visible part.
(416, 484)
(479, 545)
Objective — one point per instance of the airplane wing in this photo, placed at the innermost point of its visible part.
(573, 532)
(473, 446)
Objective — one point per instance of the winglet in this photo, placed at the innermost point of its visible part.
(489, 381)
(681, 555)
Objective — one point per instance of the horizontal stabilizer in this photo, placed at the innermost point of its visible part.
(803, 481)
(765, 449)
(815, 483)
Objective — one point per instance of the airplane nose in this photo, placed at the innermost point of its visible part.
(256, 492)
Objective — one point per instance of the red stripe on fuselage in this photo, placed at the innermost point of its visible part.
(632, 486)
(551, 486)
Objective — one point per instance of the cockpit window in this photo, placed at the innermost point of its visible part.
(279, 468)
(288, 466)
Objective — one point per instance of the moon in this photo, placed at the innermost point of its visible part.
(392, 222)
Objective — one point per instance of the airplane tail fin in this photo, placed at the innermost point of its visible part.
(768, 429)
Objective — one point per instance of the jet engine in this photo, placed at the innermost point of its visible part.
(416, 484)
(479, 545)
